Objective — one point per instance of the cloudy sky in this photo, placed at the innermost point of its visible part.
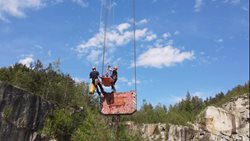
(200, 46)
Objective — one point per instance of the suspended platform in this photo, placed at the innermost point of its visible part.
(118, 103)
(107, 81)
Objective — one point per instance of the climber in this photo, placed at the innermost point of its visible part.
(108, 71)
(114, 76)
(94, 74)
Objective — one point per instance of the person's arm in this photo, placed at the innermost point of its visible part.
(114, 74)
(90, 76)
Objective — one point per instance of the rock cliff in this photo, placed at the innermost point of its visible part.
(21, 114)
(150, 132)
(229, 123)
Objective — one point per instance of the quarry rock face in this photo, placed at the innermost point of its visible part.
(229, 123)
(150, 132)
(181, 133)
(22, 114)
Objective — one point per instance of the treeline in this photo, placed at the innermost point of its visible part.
(222, 98)
(77, 116)
(180, 113)
(184, 111)
(48, 82)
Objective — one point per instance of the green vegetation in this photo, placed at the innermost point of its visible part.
(186, 110)
(49, 83)
(77, 115)
(7, 112)
(180, 113)
(222, 98)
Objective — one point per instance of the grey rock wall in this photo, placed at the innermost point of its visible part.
(22, 114)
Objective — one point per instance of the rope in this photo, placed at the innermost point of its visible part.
(100, 24)
(134, 48)
(104, 37)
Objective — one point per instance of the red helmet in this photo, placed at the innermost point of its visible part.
(93, 68)
(115, 68)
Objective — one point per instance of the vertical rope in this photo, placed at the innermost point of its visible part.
(101, 16)
(134, 48)
(104, 35)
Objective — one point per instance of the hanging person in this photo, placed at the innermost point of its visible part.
(114, 76)
(94, 74)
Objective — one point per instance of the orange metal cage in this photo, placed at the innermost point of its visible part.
(107, 81)
(118, 103)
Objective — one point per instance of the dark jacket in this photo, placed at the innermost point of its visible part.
(94, 75)
(114, 75)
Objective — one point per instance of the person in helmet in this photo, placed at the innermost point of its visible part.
(114, 76)
(94, 74)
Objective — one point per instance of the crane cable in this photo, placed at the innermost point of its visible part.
(105, 34)
(134, 43)
(105, 38)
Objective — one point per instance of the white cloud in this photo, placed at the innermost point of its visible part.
(143, 21)
(95, 41)
(132, 82)
(82, 3)
(27, 60)
(176, 32)
(129, 82)
(235, 2)
(170, 42)
(123, 79)
(16, 8)
(166, 35)
(117, 36)
(37, 46)
(123, 26)
(160, 57)
(151, 37)
(49, 53)
(197, 6)
(219, 40)
(94, 56)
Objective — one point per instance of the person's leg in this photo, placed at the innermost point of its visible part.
(100, 86)
(96, 86)
(98, 92)
(113, 86)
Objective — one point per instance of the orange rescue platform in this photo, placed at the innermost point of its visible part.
(119, 103)
(107, 81)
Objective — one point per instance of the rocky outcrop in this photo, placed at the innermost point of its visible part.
(21, 114)
(151, 132)
(229, 123)
(181, 133)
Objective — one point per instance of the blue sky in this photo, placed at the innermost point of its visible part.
(200, 46)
